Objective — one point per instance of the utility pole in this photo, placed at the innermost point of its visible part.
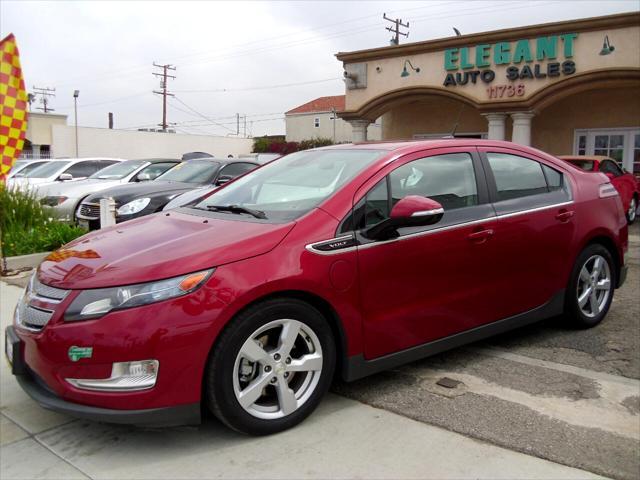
(333, 117)
(44, 93)
(163, 85)
(238, 124)
(395, 40)
(245, 126)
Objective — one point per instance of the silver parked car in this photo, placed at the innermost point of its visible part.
(65, 197)
(61, 170)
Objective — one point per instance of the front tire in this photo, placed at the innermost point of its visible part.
(591, 287)
(271, 367)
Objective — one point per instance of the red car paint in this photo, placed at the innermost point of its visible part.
(385, 299)
(627, 185)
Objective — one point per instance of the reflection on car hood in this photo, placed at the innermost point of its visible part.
(75, 188)
(155, 247)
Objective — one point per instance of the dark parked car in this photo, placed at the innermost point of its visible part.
(350, 259)
(138, 200)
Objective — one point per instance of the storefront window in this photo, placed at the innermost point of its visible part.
(636, 155)
(610, 146)
(582, 145)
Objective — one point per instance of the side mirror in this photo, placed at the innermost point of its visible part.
(143, 177)
(65, 177)
(411, 211)
(222, 179)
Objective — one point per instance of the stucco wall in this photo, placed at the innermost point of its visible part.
(434, 115)
(39, 127)
(553, 128)
(95, 142)
(301, 127)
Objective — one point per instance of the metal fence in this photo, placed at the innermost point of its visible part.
(30, 156)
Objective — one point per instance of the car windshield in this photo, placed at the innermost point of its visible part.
(192, 171)
(46, 170)
(586, 165)
(118, 170)
(289, 187)
(29, 167)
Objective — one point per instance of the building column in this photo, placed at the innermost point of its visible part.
(496, 125)
(35, 151)
(359, 130)
(521, 127)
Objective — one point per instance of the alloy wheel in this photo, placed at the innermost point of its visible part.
(594, 286)
(277, 369)
(631, 214)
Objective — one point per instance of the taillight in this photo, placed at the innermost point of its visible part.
(607, 190)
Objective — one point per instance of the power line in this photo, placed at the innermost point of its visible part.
(163, 85)
(202, 115)
(267, 87)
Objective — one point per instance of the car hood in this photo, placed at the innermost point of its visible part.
(156, 247)
(125, 193)
(75, 189)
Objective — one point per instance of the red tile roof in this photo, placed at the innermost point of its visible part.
(322, 104)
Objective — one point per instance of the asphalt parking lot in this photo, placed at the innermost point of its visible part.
(540, 402)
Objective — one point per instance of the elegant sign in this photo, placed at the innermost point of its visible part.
(476, 62)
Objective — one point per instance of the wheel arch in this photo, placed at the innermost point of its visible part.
(319, 303)
(609, 243)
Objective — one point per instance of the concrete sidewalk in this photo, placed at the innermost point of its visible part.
(343, 439)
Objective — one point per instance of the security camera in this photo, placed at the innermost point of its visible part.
(378, 69)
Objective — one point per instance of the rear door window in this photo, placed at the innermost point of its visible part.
(523, 183)
(516, 176)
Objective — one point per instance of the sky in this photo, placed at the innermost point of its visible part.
(256, 59)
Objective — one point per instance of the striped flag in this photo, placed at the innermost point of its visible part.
(13, 106)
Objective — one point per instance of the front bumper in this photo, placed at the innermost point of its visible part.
(35, 387)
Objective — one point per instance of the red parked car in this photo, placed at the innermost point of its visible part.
(625, 182)
(353, 258)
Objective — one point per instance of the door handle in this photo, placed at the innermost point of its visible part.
(565, 215)
(480, 236)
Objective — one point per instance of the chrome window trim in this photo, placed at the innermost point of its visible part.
(310, 246)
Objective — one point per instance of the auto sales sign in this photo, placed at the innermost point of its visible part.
(537, 58)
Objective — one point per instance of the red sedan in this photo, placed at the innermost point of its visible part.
(353, 259)
(625, 182)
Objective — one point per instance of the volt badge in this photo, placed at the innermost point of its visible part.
(76, 353)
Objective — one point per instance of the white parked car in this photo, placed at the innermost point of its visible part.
(64, 197)
(62, 170)
(21, 167)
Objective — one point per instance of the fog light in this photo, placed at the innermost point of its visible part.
(125, 377)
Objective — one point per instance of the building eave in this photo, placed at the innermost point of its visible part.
(570, 26)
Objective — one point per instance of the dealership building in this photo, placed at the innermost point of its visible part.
(567, 88)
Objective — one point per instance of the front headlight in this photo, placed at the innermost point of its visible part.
(134, 206)
(96, 303)
(52, 201)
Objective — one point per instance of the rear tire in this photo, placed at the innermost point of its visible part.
(633, 209)
(271, 367)
(591, 287)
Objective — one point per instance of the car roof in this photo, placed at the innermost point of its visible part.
(590, 158)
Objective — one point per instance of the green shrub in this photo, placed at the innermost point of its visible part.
(26, 225)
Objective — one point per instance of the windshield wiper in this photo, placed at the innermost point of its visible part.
(237, 209)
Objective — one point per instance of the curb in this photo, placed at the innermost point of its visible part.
(25, 261)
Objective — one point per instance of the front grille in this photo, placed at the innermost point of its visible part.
(34, 316)
(31, 317)
(89, 211)
(52, 293)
